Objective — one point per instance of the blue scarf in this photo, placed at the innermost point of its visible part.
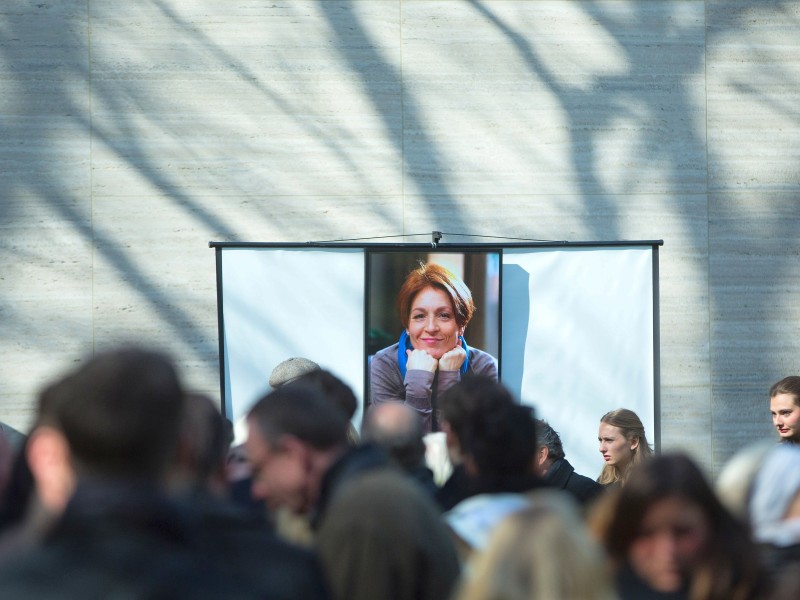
(405, 344)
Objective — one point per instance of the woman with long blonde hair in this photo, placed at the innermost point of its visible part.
(623, 445)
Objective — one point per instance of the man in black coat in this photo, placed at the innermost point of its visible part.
(378, 534)
(556, 470)
(100, 455)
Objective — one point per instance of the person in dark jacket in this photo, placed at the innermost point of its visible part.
(378, 534)
(493, 440)
(555, 468)
(238, 539)
(102, 447)
(397, 428)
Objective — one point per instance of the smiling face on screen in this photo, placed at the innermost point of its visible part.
(432, 325)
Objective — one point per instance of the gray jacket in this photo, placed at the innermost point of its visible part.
(420, 388)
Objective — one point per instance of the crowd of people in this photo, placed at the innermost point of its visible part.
(124, 487)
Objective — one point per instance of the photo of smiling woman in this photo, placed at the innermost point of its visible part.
(431, 355)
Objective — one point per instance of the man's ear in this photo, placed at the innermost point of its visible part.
(542, 455)
(49, 460)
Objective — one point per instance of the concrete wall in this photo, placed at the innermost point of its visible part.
(132, 133)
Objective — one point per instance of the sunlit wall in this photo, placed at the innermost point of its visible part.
(133, 133)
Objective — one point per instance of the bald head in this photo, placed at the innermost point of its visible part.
(391, 419)
(398, 429)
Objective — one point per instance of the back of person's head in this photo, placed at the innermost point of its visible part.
(337, 392)
(303, 412)
(494, 433)
(334, 389)
(119, 413)
(398, 429)
(548, 437)
(205, 439)
(543, 551)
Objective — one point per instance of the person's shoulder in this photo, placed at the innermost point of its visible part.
(474, 518)
(386, 354)
(386, 483)
(482, 363)
(384, 496)
(83, 568)
(382, 522)
(29, 570)
(383, 367)
(584, 487)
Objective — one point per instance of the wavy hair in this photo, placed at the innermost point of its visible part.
(437, 277)
(629, 423)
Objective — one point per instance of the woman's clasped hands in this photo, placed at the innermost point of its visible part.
(450, 360)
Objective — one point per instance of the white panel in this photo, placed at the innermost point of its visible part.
(580, 342)
(281, 303)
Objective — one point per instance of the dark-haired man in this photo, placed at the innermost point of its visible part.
(101, 452)
(236, 538)
(378, 535)
(494, 440)
(555, 468)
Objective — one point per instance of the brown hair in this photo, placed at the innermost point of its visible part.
(728, 569)
(120, 412)
(788, 385)
(437, 277)
(630, 425)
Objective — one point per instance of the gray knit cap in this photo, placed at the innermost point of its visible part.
(291, 369)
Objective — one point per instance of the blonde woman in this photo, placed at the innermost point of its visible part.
(623, 445)
(541, 552)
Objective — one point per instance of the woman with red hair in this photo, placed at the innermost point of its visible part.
(431, 355)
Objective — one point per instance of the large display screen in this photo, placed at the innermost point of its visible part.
(573, 326)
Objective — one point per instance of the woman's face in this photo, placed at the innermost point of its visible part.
(785, 416)
(615, 448)
(672, 537)
(432, 323)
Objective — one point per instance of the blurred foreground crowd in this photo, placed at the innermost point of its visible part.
(130, 486)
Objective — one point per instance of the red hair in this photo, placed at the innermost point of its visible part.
(437, 277)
